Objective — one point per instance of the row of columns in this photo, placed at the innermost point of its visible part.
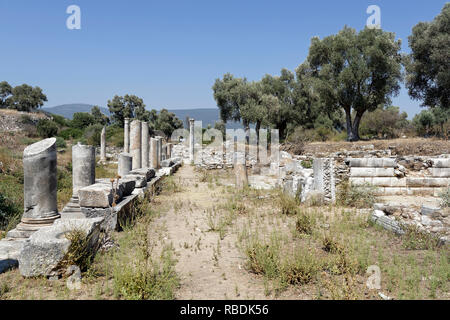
(140, 150)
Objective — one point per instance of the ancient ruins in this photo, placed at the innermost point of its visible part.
(37, 245)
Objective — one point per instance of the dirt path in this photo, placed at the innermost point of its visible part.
(209, 268)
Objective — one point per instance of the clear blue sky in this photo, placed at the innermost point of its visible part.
(170, 52)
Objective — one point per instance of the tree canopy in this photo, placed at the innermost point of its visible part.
(128, 106)
(428, 65)
(356, 71)
(21, 98)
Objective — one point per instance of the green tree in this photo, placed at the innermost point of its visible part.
(230, 94)
(82, 120)
(356, 71)
(99, 117)
(384, 122)
(441, 117)
(423, 122)
(5, 93)
(26, 98)
(167, 122)
(47, 128)
(428, 65)
(129, 106)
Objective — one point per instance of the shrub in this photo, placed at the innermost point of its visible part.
(288, 204)
(445, 198)
(70, 133)
(9, 212)
(82, 120)
(60, 120)
(47, 128)
(60, 143)
(416, 239)
(92, 134)
(359, 196)
(114, 136)
(303, 224)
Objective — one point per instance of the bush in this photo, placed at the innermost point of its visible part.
(359, 196)
(47, 128)
(303, 224)
(8, 212)
(82, 120)
(60, 143)
(114, 136)
(71, 133)
(60, 120)
(288, 204)
(445, 196)
(92, 134)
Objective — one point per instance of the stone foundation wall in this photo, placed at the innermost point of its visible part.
(421, 177)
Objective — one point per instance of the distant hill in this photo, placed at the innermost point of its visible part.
(67, 110)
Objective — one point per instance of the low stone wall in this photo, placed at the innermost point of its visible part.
(392, 178)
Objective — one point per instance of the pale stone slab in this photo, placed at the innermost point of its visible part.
(372, 162)
(440, 172)
(371, 172)
(47, 247)
(98, 195)
(441, 162)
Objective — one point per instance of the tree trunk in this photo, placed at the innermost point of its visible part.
(348, 118)
(355, 128)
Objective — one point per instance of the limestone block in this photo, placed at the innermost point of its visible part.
(371, 172)
(167, 163)
(440, 172)
(9, 252)
(140, 180)
(98, 195)
(46, 248)
(395, 191)
(148, 173)
(428, 210)
(441, 162)
(372, 162)
(427, 182)
(419, 191)
(386, 222)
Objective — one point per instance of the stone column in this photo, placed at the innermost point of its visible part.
(240, 170)
(191, 139)
(160, 140)
(154, 153)
(126, 136)
(40, 188)
(324, 180)
(135, 143)
(102, 145)
(144, 142)
(83, 175)
(169, 150)
(125, 164)
(164, 152)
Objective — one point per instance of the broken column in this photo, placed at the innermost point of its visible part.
(125, 164)
(135, 144)
(40, 188)
(154, 153)
(126, 136)
(159, 148)
(191, 139)
(324, 180)
(144, 142)
(169, 150)
(103, 145)
(83, 175)
(240, 170)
